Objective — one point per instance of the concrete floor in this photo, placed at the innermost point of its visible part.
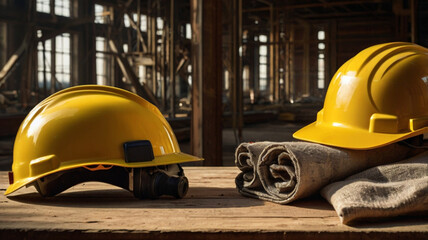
(273, 131)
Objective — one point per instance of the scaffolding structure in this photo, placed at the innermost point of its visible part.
(205, 62)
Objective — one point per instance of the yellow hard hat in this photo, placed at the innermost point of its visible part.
(88, 126)
(378, 97)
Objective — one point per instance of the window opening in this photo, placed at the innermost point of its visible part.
(61, 7)
(263, 62)
(100, 16)
(54, 52)
(43, 6)
(321, 59)
(103, 62)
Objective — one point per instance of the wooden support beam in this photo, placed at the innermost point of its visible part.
(272, 85)
(236, 66)
(332, 56)
(251, 56)
(137, 29)
(171, 62)
(151, 45)
(276, 56)
(306, 59)
(312, 4)
(292, 72)
(129, 73)
(10, 64)
(288, 58)
(86, 67)
(206, 130)
(413, 28)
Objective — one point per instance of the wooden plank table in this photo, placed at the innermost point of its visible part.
(212, 209)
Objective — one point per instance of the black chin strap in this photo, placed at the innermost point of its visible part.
(56, 183)
(150, 182)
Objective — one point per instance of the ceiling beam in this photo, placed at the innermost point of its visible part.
(316, 4)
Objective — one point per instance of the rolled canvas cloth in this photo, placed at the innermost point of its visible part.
(286, 171)
(383, 191)
(246, 158)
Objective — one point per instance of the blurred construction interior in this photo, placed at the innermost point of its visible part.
(221, 71)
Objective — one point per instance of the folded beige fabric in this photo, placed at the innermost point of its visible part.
(284, 172)
(383, 191)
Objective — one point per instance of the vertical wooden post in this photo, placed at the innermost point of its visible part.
(413, 28)
(86, 42)
(163, 63)
(53, 66)
(237, 84)
(332, 57)
(14, 40)
(306, 61)
(276, 50)
(28, 61)
(272, 68)
(292, 82)
(151, 44)
(252, 65)
(206, 129)
(171, 64)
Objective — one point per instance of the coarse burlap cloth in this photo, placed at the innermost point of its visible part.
(384, 191)
(284, 172)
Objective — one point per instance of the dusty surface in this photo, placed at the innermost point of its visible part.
(212, 205)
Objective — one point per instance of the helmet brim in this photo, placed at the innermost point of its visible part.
(167, 159)
(350, 138)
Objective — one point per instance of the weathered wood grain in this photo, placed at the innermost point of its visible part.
(212, 209)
